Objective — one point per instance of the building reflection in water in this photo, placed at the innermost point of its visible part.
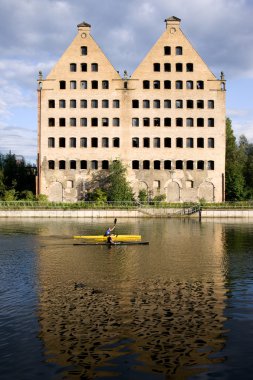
(154, 311)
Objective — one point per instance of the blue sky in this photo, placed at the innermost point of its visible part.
(35, 33)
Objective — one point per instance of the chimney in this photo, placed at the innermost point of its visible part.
(173, 22)
(84, 28)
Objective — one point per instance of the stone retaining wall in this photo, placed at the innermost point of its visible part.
(142, 213)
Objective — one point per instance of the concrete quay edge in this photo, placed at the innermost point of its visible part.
(142, 213)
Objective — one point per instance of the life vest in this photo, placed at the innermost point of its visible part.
(107, 232)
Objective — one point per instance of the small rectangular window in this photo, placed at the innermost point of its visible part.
(105, 84)
(62, 84)
(167, 103)
(83, 122)
(51, 122)
(51, 142)
(94, 67)
(72, 142)
(167, 50)
(179, 67)
(94, 103)
(62, 103)
(115, 122)
(167, 67)
(189, 142)
(135, 103)
(62, 143)
(83, 67)
(83, 103)
(72, 122)
(105, 142)
(72, 67)
(146, 122)
(156, 66)
(94, 122)
(135, 122)
(83, 142)
(94, 142)
(189, 67)
(94, 84)
(116, 103)
(156, 142)
(72, 84)
(146, 142)
(83, 84)
(105, 122)
(62, 122)
(210, 142)
(179, 50)
(84, 50)
(167, 142)
(146, 84)
(167, 122)
(105, 103)
(51, 103)
(146, 104)
(72, 103)
(157, 122)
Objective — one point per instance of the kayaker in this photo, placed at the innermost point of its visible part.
(109, 240)
(109, 230)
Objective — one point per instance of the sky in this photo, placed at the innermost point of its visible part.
(35, 33)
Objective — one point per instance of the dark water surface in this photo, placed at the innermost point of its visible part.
(180, 308)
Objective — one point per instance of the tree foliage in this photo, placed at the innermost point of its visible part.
(17, 179)
(118, 188)
(239, 166)
(234, 167)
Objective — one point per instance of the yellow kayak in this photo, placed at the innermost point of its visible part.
(104, 238)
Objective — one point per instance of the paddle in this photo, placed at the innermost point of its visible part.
(115, 222)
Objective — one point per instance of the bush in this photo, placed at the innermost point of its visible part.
(27, 195)
(42, 198)
(10, 195)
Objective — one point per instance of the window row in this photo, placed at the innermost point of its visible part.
(169, 165)
(179, 84)
(83, 67)
(136, 142)
(62, 142)
(83, 85)
(167, 142)
(166, 103)
(83, 122)
(178, 122)
(146, 122)
(146, 103)
(73, 103)
(136, 165)
(179, 67)
(166, 49)
(178, 50)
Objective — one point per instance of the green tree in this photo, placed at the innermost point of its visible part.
(143, 195)
(16, 175)
(118, 188)
(246, 158)
(98, 195)
(234, 167)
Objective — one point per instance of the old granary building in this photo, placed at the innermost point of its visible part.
(165, 122)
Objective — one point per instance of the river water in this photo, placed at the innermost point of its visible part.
(178, 308)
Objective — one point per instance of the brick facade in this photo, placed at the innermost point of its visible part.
(166, 121)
